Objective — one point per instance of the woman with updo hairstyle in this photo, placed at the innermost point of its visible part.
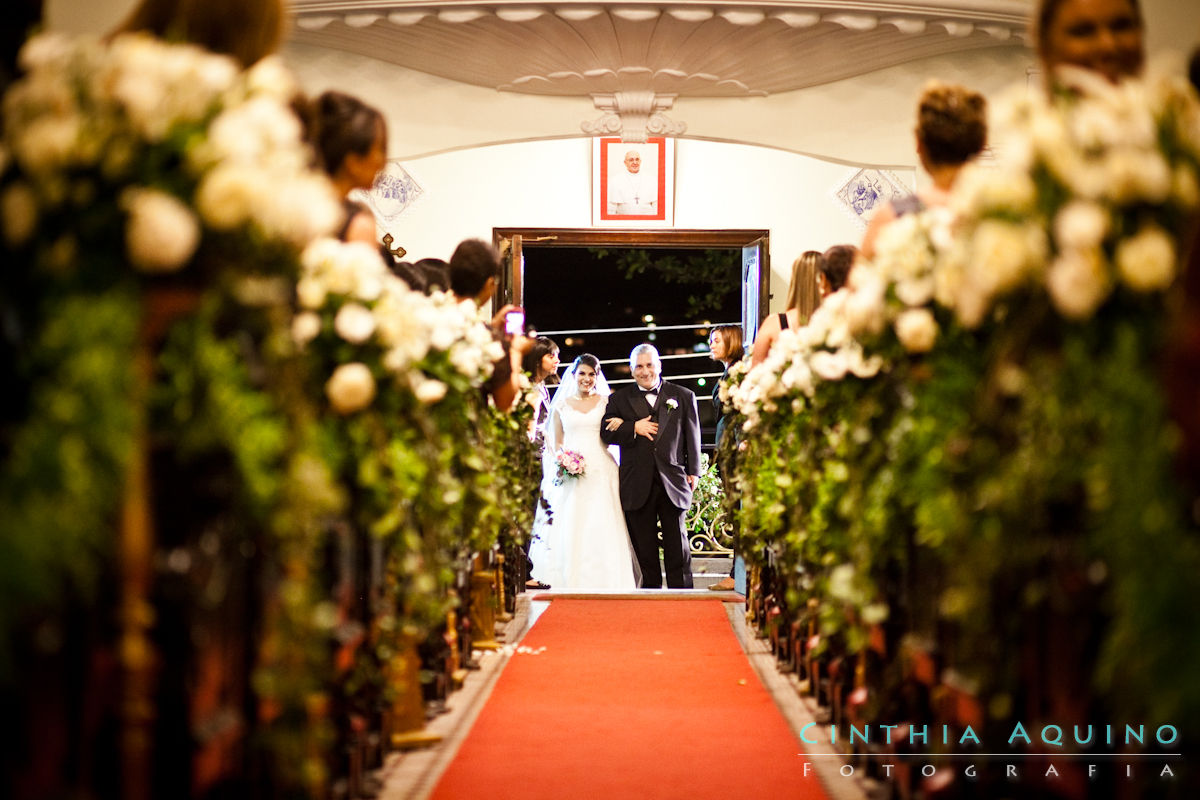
(349, 138)
(951, 131)
(803, 299)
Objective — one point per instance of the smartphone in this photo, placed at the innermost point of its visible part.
(514, 322)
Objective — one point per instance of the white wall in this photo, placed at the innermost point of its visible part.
(548, 184)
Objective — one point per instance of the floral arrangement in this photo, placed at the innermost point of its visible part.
(570, 465)
(401, 372)
(966, 414)
(368, 325)
(111, 166)
(154, 200)
(152, 155)
(1088, 207)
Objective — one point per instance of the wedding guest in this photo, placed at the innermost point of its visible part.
(725, 347)
(1104, 37)
(247, 30)
(803, 299)
(541, 364)
(350, 140)
(435, 272)
(951, 131)
(475, 271)
(835, 268)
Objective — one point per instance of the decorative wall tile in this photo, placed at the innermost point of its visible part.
(866, 190)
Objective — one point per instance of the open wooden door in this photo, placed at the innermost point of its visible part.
(512, 282)
(756, 286)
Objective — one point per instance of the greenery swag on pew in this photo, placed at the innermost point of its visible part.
(969, 444)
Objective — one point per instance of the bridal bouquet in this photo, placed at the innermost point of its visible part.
(570, 465)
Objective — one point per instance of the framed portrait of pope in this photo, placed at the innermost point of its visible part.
(633, 184)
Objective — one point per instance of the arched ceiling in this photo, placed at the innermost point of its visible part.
(634, 58)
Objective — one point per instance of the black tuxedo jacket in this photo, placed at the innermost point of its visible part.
(674, 453)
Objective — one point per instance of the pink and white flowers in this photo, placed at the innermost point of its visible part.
(570, 465)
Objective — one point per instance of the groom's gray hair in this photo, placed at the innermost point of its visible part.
(645, 348)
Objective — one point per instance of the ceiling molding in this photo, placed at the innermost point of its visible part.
(631, 50)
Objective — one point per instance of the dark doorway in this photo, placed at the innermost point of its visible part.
(591, 293)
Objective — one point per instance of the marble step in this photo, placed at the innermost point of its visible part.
(708, 570)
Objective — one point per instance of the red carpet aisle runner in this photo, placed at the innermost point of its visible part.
(630, 699)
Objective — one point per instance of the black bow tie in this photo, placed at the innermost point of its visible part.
(648, 391)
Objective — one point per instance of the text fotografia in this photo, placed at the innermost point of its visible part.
(1048, 735)
(1053, 742)
(1012, 771)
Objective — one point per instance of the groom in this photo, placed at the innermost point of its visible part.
(658, 429)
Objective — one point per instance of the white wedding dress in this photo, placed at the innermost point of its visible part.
(582, 543)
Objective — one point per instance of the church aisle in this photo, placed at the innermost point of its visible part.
(620, 698)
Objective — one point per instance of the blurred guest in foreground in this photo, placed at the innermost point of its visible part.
(951, 131)
(248, 31)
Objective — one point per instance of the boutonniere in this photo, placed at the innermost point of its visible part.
(672, 403)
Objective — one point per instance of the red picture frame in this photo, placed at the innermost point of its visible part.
(622, 173)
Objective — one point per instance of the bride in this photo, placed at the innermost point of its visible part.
(582, 542)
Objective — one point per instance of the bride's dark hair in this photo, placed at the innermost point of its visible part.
(586, 358)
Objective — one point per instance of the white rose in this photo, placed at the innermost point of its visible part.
(917, 330)
(45, 49)
(829, 366)
(466, 359)
(306, 326)
(1004, 254)
(355, 323)
(1184, 187)
(1080, 225)
(351, 388)
(47, 143)
(1137, 176)
(370, 285)
(431, 391)
(144, 96)
(161, 233)
(440, 338)
(270, 76)
(971, 302)
(18, 213)
(227, 196)
(396, 359)
(866, 305)
(299, 208)
(1146, 260)
(979, 190)
(1078, 282)
(311, 292)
